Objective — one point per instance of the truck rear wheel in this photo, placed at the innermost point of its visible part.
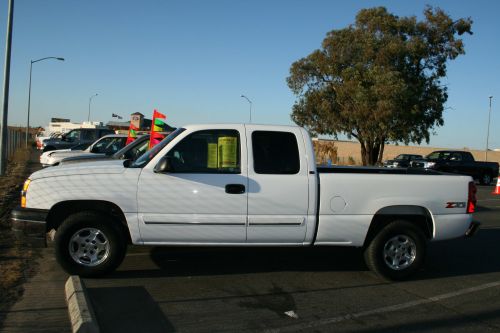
(485, 179)
(89, 244)
(397, 251)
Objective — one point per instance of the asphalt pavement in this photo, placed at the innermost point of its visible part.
(280, 290)
(315, 289)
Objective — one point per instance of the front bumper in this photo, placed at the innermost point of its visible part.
(473, 228)
(30, 226)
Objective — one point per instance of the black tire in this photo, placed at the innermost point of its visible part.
(378, 252)
(107, 246)
(485, 179)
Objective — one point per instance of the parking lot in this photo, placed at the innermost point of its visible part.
(280, 290)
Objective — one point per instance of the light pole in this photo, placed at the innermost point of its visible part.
(29, 93)
(6, 81)
(488, 132)
(90, 101)
(250, 102)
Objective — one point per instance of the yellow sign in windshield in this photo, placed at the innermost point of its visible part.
(228, 152)
(212, 156)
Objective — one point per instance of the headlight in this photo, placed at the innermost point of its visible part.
(429, 164)
(395, 164)
(24, 192)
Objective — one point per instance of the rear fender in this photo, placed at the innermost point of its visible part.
(418, 215)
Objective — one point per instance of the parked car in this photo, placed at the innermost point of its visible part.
(130, 152)
(82, 146)
(75, 137)
(401, 161)
(241, 185)
(107, 145)
(460, 162)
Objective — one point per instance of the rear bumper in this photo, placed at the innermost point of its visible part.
(29, 225)
(473, 228)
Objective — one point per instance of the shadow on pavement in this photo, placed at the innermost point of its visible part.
(127, 309)
(469, 256)
(459, 257)
(192, 261)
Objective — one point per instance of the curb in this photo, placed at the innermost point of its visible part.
(80, 311)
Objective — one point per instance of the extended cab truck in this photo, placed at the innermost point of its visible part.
(241, 185)
(460, 162)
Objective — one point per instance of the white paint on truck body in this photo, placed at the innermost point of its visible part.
(367, 194)
(281, 209)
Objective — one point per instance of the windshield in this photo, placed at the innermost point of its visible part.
(401, 157)
(148, 156)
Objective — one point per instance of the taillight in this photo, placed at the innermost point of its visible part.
(471, 201)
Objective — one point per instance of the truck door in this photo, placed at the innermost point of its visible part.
(203, 199)
(278, 186)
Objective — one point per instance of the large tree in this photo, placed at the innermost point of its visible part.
(378, 80)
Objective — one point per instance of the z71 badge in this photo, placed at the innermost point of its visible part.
(455, 205)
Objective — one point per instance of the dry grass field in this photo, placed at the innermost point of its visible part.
(349, 152)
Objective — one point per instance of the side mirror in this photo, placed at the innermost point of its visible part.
(164, 165)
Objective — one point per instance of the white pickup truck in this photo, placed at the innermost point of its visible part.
(241, 185)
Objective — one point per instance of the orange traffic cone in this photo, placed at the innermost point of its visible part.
(497, 188)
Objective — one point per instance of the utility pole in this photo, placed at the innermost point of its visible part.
(488, 133)
(90, 101)
(6, 79)
(249, 102)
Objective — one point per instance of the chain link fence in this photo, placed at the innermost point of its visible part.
(15, 140)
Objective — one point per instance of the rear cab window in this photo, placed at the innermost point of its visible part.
(275, 153)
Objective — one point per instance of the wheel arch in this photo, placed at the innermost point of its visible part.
(60, 211)
(417, 215)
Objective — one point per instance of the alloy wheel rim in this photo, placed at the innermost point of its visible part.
(89, 247)
(399, 252)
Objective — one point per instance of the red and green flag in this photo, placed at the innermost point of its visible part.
(132, 133)
(157, 125)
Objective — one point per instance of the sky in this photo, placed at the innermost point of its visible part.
(192, 60)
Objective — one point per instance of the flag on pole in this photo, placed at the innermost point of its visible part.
(132, 133)
(157, 125)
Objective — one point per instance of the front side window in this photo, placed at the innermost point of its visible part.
(456, 157)
(73, 135)
(275, 153)
(208, 151)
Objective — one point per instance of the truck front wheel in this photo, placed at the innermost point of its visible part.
(89, 244)
(397, 251)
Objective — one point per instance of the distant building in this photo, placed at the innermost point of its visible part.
(59, 120)
(138, 120)
(66, 126)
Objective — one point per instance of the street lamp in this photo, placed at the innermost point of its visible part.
(488, 133)
(90, 101)
(250, 102)
(29, 93)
